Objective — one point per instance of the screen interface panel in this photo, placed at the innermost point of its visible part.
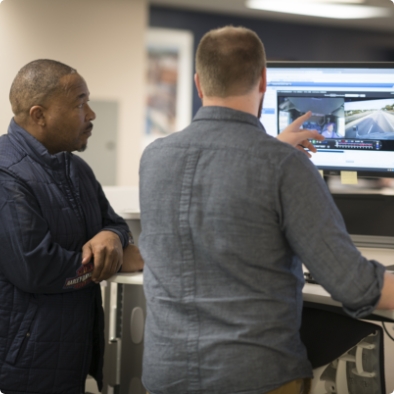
(352, 107)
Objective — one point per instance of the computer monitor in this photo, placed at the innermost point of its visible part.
(352, 105)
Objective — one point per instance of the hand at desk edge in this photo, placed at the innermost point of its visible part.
(387, 295)
(132, 260)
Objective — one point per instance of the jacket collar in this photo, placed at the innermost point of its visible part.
(35, 149)
(229, 114)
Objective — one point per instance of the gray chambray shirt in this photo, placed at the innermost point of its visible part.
(228, 213)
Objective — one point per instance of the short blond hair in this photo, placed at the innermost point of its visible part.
(229, 61)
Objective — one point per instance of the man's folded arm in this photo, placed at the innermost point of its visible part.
(30, 259)
(130, 258)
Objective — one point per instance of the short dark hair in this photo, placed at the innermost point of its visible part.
(35, 83)
(229, 61)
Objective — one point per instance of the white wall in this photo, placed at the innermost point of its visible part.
(103, 39)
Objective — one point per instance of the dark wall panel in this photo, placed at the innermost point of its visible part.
(284, 41)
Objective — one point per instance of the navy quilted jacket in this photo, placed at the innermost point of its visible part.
(51, 318)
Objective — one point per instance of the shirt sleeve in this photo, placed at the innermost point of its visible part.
(317, 234)
(30, 259)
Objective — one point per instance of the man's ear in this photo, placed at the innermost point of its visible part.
(198, 86)
(263, 81)
(37, 115)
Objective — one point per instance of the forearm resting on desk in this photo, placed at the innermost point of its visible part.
(387, 298)
(132, 260)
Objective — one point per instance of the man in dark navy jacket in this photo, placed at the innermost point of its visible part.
(59, 237)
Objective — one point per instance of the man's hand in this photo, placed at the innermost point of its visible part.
(387, 295)
(299, 138)
(106, 251)
(132, 260)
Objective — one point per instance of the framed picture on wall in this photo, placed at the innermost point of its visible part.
(169, 76)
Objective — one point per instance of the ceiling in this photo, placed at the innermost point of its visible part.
(237, 7)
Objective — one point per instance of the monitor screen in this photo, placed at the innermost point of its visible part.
(352, 106)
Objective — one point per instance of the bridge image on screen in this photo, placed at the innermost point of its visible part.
(370, 119)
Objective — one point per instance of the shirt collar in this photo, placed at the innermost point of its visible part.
(229, 114)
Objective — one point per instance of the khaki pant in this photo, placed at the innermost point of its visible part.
(299, 386)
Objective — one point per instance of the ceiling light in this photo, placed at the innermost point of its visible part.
(333, 1)
(318, 8)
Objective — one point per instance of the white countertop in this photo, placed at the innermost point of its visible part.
(128, 214)
(134, 278)
(316, 293)
(311, 292)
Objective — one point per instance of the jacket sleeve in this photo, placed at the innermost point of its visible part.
(30, 259)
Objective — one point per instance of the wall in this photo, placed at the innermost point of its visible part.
(284, 40)
(103, 39)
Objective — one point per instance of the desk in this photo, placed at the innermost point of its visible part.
(127, 279)
(311, 293)
(317, 295)
(125, 312)
(126, 303)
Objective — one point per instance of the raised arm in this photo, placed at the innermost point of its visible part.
(299, 138)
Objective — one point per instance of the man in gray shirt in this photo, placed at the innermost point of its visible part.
(228, 213)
